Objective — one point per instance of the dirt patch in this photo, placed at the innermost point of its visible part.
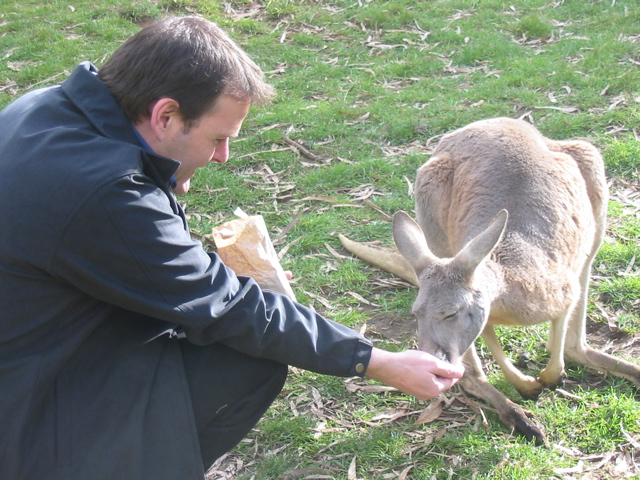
(615, 342)
(392, 328)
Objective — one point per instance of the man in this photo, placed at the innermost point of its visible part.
(126, 350)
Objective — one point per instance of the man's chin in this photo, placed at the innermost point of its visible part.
(182, 187)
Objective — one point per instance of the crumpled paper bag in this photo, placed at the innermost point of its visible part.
(245, 247)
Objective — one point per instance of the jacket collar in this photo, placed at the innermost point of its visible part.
(92, 97)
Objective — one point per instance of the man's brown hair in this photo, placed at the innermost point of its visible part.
(188, 59)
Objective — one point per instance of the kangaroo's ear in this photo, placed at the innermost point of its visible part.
(411, 242)
(479, 248)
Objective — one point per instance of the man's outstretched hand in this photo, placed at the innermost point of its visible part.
(413, 372)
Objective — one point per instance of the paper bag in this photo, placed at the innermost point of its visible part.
(245, 247)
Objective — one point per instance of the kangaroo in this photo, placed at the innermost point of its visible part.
(508, 225)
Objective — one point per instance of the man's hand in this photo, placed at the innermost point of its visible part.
(413, 372)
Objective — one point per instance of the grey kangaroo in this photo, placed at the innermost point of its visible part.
(508, 225)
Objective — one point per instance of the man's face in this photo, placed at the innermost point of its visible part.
(205, 142)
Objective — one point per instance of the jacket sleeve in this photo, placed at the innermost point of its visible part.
(124, 246)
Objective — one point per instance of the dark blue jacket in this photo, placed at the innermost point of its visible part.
(97, 268)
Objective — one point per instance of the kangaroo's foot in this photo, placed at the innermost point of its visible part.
(603, 362)
(510, 414)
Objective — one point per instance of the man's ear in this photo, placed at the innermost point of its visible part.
(164, 115)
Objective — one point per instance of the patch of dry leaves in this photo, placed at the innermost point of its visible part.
(329, 416)
(452, 410)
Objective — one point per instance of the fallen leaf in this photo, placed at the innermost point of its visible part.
(361, 299)
(432, 412)
(320, 198)
(304, 472)
(353, 388)
(391, 415)
(404, 473)
(351, 473)
(320, 299)
(561, 109)
(333, 252)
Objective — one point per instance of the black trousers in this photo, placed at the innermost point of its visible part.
(230, 392)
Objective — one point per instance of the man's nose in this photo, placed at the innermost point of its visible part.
(221, 153)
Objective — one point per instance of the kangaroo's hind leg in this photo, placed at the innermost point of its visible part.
(577, 350)
(528, 387)
(576, 347)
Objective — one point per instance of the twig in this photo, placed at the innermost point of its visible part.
(303, 151)
(263, 151)
(283, 233)
(378, 209)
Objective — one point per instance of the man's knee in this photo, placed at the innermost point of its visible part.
(225, 383)
(226, 417)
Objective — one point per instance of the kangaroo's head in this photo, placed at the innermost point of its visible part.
(454, 299)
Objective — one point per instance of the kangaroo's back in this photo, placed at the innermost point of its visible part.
(555, 192)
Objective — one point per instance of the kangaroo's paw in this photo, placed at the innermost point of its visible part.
(552, 382)
(531, 390)
(522, 421)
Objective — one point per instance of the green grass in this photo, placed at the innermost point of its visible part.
(367, 86)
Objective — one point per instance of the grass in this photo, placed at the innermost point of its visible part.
(367, 87)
